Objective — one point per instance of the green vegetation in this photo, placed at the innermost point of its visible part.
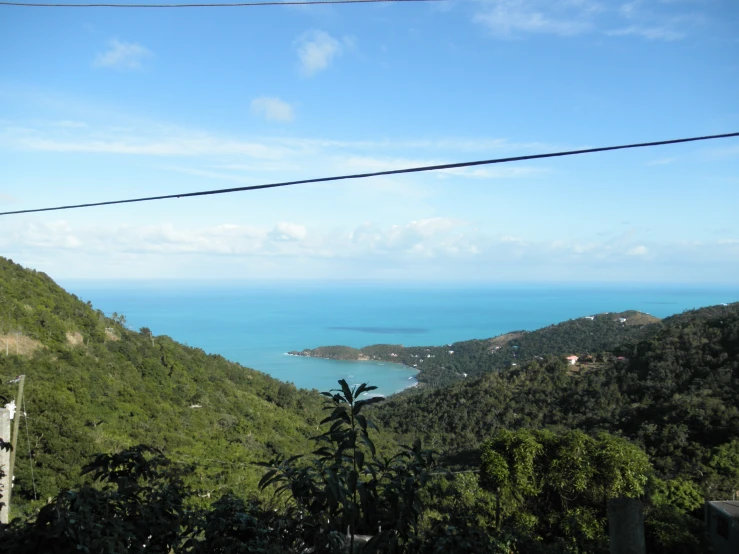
(236, 461)
(95, 386)
(675, 394)
(537, 492)
(442, 365)
(331, 352)
(139, 501)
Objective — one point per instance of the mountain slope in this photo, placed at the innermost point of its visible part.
(676, 394)
(94, 386)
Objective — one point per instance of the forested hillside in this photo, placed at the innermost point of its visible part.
(597, 335)
(675, 394)
(173, 437)
(94, 386)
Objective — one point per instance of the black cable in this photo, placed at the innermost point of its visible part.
(222, 5)
(376, 174)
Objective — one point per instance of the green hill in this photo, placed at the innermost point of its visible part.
(441, 365)
(94, 386)
(676, 394)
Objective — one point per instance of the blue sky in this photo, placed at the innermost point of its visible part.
(100, 104)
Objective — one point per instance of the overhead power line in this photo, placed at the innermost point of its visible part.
(376, 174)
(220, 5)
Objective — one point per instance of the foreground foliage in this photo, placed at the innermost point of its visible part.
(536, 492)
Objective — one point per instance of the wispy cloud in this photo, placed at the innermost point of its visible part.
(440, 246)
(647, 19)
(154, 141)
(272, 109)
(651, 33)
(640, 250)
(272, 153)
(316, 50)
(508, 18)
(661, 161)
(122, 55)
(286, 231)
(434, 237)
(69, 124)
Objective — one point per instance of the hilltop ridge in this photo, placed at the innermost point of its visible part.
(674, 392)
(440, 365)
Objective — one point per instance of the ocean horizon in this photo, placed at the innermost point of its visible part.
(257, 323)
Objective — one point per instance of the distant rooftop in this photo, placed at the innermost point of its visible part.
(729, 507)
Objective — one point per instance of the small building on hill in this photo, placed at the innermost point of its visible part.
(572, 360)
(722, 526)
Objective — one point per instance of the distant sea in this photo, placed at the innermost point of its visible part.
(256, 324)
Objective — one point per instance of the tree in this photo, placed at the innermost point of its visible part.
(347, 487)
(555, 487)
(139, 508)
(724, 465)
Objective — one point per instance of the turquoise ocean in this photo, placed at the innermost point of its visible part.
(257, 323)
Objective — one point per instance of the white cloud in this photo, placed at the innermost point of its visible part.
(285, 231)
(272, 109)
(645, 19)
(650, 33)
(151, 141)
(661, 161)
(506, 18)
(254, 160)
(316, 50)
(640, 250)
(69, 124)
(122, 55)
(148, 138)
(430, 248)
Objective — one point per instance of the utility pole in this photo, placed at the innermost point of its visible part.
(16, 341)
(5, 480)
(14, 437)
(626, 526)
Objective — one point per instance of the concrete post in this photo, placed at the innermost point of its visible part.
(626, 526)
(16, 427)
(4, 464)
